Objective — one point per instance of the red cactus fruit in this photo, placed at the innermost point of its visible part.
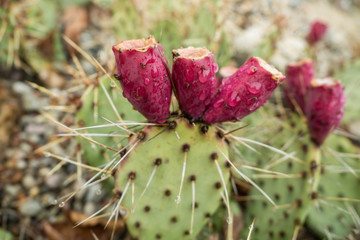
(324, 108)
(194, 79)
(298, 78)
(243, 92)
(141, 66)
(317, 32)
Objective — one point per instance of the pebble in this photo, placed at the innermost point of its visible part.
(12, 190)
(354, 128)
(21, 164)
(30, 207)
(28, 181)
(89, 208)
(93, 193)
(54, 181)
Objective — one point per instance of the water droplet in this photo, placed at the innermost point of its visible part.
(251, 101)
(219, 103)
(139, 93)
(229, 220)
(152, 60)
(112, 84)
(202, 95)
(177, 199)
(203, 76)
(55, 202)
(252, 70)
(146, 81)
(189, 75)
(254, 87)
(103, 175)
(98, 192)
(154, 72)
(234, 99)
(253, 104)
(62, 204)
(215, 67)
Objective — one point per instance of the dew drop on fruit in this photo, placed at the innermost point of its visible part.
(154, 72)
(202, 95)
(252, 70)
(62, 204)
(215, 67)
(254, 87)
(234, 99)
(219, 103)
(146, 81)
(203, 75)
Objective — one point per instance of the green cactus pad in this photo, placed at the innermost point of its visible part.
(333, 218)
(93, 154)
(291, 193)
(157, 215)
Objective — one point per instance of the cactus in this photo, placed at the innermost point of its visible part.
(93, 109)
(172, 166)
(334, 214)
(177, 180)
(291, 190)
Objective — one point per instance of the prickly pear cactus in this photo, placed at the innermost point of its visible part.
(289, 184)
(176, 178)
(335, 215)
(321, 196)
(96, 109)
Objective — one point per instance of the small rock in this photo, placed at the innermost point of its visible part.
(21, 164)
(354, 128)
(89, 208)
(54, 181)
(28, 181)
(30, 207)
(12, 190)
(34, 191)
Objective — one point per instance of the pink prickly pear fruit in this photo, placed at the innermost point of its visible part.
(142, 72)
(243, 92)
(324, 108)
(317, 32)
(194, 79)
(298, 78)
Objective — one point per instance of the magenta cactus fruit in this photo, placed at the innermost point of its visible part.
(298, 78)
(317, 32)
(194, 79)
(324, 108)
(243, 92)
(142, 72)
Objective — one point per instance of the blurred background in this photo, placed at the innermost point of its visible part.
(39, 64)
